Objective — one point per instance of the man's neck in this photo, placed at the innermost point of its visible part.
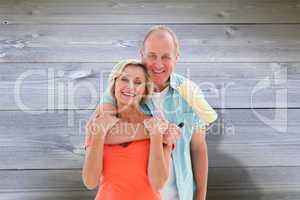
(158, 88)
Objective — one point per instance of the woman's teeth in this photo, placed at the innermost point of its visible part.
(128, 94)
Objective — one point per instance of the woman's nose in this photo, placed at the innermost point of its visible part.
(131, 85)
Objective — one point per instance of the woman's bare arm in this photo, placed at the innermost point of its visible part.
(92, 168)
(159, 156)
(96, 130)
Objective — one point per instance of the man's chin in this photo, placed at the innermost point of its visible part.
(158, 81)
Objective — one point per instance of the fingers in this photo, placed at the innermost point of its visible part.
(91, 128)
(156, 125)
(99, 124)
(97, 117)
(174, 130)
(172, 134)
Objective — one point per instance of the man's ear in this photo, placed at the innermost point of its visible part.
(177, 57)
(141, 53)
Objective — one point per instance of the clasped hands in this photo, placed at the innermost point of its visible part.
(100, 124)
(159, 126)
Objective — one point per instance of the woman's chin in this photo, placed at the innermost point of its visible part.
(127, 102)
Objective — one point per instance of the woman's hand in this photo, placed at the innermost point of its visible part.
(158, 164)
(171, 135)
(156, 126)
(96, 130)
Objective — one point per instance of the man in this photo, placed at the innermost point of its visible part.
(179, 101)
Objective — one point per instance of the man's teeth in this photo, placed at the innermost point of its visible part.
(158, 71)
(128, 94)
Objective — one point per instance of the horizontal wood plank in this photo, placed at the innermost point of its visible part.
(42, 86)
(48, 195)
(248, 194)
(219, 194)
(259, 193)
(54, 140)
(110, 43)
(219, 178)
(171, 11)
(215, 194)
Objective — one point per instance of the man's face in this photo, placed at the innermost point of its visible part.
(160, 56)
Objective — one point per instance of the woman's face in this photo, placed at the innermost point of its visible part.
(130, 86)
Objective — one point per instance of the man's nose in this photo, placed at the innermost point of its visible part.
(158, 62)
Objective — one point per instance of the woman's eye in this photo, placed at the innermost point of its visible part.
(124, 79)
(138, 83)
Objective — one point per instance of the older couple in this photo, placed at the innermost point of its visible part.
(130, 152)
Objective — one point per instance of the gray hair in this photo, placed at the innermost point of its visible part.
(162, 28)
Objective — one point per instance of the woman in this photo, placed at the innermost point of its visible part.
(137, 170)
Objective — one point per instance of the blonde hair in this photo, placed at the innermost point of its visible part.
(119, 68)
(162, 28)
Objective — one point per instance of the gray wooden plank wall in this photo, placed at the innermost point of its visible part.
(244, 54)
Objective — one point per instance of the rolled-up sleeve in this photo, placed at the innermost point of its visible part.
(107, 98)
(197, 122)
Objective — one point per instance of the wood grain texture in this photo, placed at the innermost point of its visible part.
(54, 140)
(171, 11)
(48, 195)
(41, 86)
(212, 194)
(219, 178)
(243, 54)
(110, 43)
(247, 194)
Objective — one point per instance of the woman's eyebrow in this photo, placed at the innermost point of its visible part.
(125, 74)
(138, 78)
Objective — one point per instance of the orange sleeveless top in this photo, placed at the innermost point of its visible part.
(124, 175)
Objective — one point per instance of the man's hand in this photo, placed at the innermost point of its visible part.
(99, 125)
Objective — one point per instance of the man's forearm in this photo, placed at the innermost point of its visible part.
(122, 131)
(126, 132)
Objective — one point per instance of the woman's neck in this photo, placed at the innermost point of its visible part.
(130, 113)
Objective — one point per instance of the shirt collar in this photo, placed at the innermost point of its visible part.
(174, 82)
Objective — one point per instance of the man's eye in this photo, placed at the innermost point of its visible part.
(152, 56)
(166, 57)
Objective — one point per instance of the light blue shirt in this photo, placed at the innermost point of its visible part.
(176, 110)
(169, 191)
